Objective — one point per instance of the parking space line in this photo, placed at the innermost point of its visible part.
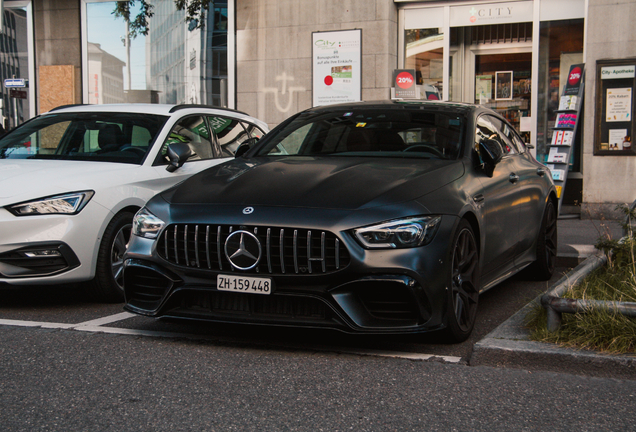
(107, 320)
(95, 326)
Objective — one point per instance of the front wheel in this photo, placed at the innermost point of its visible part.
(108, 285)
(543, 267)
(463, 291)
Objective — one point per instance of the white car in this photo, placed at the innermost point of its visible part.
(72, 179)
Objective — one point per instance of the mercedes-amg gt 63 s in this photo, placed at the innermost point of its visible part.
(385, 217)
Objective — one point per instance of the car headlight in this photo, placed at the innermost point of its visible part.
(401, 233)
(70, 204)
(147, 225)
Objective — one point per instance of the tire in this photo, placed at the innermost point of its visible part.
(108, 284)
(463, 292)
(546, 249)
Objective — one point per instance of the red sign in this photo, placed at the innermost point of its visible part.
(404, 80)
(575, 76)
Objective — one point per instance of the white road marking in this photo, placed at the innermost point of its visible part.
(97, 326)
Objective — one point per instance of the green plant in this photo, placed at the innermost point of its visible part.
(599, 329)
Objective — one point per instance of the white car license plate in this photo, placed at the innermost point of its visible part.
(254, 285)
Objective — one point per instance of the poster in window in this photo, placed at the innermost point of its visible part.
(503, 85)
(619, 105)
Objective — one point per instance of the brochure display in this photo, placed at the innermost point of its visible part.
(564, 130)
(615, 106)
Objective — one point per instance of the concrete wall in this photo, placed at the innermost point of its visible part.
(57, 43)
(274, 52)
(608, 180)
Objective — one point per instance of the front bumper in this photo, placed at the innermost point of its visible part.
(49, 249)
(378, 291)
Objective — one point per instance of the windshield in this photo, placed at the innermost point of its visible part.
(102, 137)
(369, 132)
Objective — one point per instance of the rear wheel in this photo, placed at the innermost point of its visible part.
(543, 267)
(108, 285)
(464, 285)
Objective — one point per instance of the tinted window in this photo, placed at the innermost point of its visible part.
(229, 133)
(105, 137)
(367, 132)
(194, 132)
(489, 127)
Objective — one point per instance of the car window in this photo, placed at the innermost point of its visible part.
(369, 132)
(229, 132)
(490, 127)
(94, 136)
(192, 131)
(253, 131)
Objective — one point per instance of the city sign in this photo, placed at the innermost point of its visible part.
(15, 83)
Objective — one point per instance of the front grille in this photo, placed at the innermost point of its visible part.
(284, 250)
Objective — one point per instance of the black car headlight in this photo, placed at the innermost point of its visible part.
(69, 204)
(147, 225)
(400, 233)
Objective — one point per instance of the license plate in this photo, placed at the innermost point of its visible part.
(254, 285)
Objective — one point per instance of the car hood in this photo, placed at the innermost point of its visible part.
(345, 183)
(27, 179)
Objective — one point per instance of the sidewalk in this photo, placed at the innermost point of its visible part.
(509, 344)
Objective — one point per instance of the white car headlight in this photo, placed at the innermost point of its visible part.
(401, 233)
(70, 204)
(147, 225)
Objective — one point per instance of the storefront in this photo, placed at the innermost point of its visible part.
(511, 56)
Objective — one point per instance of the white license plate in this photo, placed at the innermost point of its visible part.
(254, 285)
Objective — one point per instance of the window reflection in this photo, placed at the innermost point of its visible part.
(175, 62)
(14, 63)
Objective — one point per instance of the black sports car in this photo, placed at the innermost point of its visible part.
(384, 217)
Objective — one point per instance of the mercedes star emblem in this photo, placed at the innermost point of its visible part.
(243, 250)
(248, 210)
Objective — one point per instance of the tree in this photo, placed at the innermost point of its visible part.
(195, 13)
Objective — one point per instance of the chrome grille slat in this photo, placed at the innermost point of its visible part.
(297, 251)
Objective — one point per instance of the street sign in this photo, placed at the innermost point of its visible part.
(18, 94)
(15, 83)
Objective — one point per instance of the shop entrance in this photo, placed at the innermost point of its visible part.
(503, 82)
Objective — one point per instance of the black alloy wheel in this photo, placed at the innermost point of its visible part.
(108, 285)
(464, 285)
(543, 268)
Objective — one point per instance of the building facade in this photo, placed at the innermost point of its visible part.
(259, 56)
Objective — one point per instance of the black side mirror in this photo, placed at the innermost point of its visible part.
(491, 153)
(178, 153)
(245, 147)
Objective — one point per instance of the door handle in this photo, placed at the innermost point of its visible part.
(479, 198)
(514, 178)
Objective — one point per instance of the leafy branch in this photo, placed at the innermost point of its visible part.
(195, 13)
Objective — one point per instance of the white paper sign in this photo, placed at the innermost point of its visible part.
(337, 67)
(619, 105)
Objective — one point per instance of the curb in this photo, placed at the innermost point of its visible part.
(509, 345)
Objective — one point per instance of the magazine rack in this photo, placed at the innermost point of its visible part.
(564, 134)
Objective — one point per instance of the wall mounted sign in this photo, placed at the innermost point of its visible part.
(337, 67)
(491, 13)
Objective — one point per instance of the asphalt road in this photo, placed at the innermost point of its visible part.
(69, 376)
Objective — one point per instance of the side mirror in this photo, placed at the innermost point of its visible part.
(245, 147)
(491, 153)
(178, 153)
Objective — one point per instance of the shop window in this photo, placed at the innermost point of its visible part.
(425, 54)
(175, 62)
(560, 46)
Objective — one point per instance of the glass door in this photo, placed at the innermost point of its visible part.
(503, 82)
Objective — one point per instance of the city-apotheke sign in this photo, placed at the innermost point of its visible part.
(491, 13)
(616, 72)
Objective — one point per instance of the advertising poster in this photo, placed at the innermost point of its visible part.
(503, 85)
(483, 88)
(404, 83)
(616, 138)
(337, 67)
(619, 105)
